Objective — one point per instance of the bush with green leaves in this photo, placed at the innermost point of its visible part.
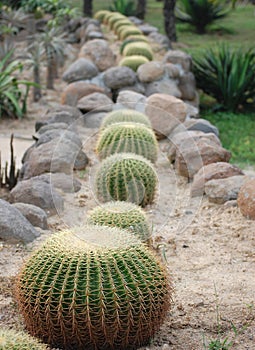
(17, 340)
(128, 138)
(126, 177)
(133, 39)
(125, 7)
(228, 75)
(128, 216)
(138, 48)
(133, 62)
(48, 6)
(93, 287)
(200, 13)
(13, 98)
(125, 115)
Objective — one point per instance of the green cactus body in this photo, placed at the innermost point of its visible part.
(115, 19)
(124, 215)
(100, 15)
(125, 115)
(128, 138)
(120, 23)
(133, 62)
(139, 48)
(93, 288)
(108, 16)
(130, 30)
(133, 39)
(126, 177)
(16, 340)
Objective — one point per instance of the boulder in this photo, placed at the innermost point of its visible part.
(118, 77)
(187, 86)
(165, 113)
(75, 91)
(137, 87)
(173, 71)
(53, 126)
(93, 120)
(163, 86)
(219, 170)
(64, 182)
(14, 227)
(246, 199)
(38, 193)
(95, 102)
(132, 100)
(160, 39)
(190, 157)
(35, 215)
(147, 29)
(81, 69)
(177, 139)
(193, 124)
(57, 107)
(179, 57)
(55, 134)
(150, 71)
(223, 190)
(99, 52)
(94, 34)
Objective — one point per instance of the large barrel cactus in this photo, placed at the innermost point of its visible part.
(127, 137)
(125, 115)
(125, 215)
(93, 288)
(133, 62)
(16, 340)
(133, 39)
(126, 177)
(138, 48)
(130, 30)
(100, 15)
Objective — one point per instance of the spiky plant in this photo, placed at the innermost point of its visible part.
(125, 115)
(124, 215)
(138, 48)
(93, 288)
(14, 340)
(100, 15)
(133, 62)
(120, 23)
(108, 16)
(130, 30)
(133, 39)
(115, 19)
(126, 177)
(127, 137)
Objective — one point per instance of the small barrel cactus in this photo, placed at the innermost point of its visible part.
(93, 288)
(100, 15)
(17, 340)
(133, 39)
(125, 215)
(108, 16)
(125, 115)
(130, 30)
(133, 62)
(115, 19)
(138, 48)
(126, 177)
(129, 138)
(120, 23)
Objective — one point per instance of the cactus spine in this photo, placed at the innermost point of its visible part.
(14, 340)
(125, 115)
(133, 62)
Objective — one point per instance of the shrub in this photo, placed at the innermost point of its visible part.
(49, 6)
(12, 340)
(228, 75)
(133, 39)
(100, 15)
(93, 287)
(138, 48)
(200, 13)
(125, 7)
(123, 215)
(133, 62)
(129, 30)
(128, 138)
(125, 115)
(126, 177)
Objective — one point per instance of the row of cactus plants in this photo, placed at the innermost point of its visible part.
(135, 46)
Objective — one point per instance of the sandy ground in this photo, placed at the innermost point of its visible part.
(209, 250)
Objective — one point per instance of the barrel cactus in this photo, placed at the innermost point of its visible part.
(133, 62)
(127, 137)
(130, 30)
(93, 288)
(138, 48)
(115, 19)
(125, 215)
(125, 115)
(133, 39)
(120, 23)
(17, 340)
(126, 177)
(100, 15)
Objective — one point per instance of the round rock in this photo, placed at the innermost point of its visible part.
(246, 199)
(81, 69)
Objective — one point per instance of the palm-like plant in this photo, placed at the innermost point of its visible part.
(200, 13)
(228, 75)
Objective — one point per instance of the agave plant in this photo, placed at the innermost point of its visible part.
(200, 13)
(125, 7)
(228, 75)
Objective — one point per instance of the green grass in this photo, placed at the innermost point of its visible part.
(237, 134)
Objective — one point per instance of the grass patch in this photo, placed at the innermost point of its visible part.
(237, 134)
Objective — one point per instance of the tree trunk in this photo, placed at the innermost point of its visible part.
(169, 19)
(141, 9)
(50, 73)
(87, 8)
(37, 94)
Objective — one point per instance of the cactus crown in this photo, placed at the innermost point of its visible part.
(126, 177)
(124, 215)
(100, 15)
(140, 48)
(129, 30)
(120, 23)
(132, 39)
(125, 115)
(115, 19)
(93, 288)
(14, 340)
(133, 62)
(127, 137)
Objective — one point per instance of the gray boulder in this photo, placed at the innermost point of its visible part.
(93, 120)
(95, 102)
(187, 86)
(14, 227)
(147, 29)
(150, 71)
(194, 124)
(81, 69)
(35, 215)
(131, 100)
(163, 86)
(64, 182)
(118, 77)
(62, 134)
(179, 57)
